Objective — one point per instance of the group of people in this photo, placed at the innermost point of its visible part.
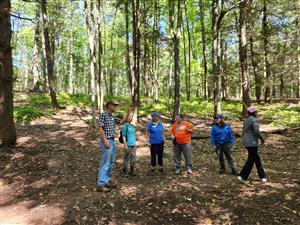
(221, 138)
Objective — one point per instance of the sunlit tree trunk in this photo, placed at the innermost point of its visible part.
(49, 56)
(246, 101)
(204, 52)
(36, 64)
(267, 65)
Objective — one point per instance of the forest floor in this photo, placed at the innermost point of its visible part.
(49, 177)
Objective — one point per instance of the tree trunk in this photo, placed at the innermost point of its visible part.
(175, 35)
(71, 63)
(267, 64)
(128, 66)
(188, 74)
(204, 53)
(111, 53)
(49, 56)
(246, 101)
(7, 125)
(36, 64)
(257, 78)
(216, 25)
(298, 47)
(100, 90)
(136, 53)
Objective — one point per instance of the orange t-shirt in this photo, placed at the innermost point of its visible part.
(182, 135)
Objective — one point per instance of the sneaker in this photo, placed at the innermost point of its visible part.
(177, 171)
(189, 171)
(103, 189)
(221, 171)
(242, 180)
(264, 180)
(161, 170)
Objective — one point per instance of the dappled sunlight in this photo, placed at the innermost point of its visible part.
(129, 190)
(24, 140)
(27, 212)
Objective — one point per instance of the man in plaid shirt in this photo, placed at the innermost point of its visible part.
(107, 131)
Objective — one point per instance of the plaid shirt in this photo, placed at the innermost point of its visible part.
(108, 123)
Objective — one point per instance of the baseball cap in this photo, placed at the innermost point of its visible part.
(111, 103)
(218, 116)
(155, 114)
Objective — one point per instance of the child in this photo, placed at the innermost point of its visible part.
(221, 138)
(129, 141)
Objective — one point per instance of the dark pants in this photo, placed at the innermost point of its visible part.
(253, 157)
(224, 149)
(157, 154)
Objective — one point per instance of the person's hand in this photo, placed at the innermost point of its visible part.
(106, 144)
(214, 147)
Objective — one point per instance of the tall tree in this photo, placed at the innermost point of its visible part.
(128, 64)
(204, 52)
(36, 64)
(246, 101)
(49, 56)
(7, 126)
(267, 64)
(91, 13)
(218, 13)
(175, 36)
(136, 36)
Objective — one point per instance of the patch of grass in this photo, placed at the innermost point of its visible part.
(25, 114)
(282, 114)
(76, 99)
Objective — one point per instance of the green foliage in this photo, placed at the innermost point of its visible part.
(26, 113)
(40, 105)
(283, 114)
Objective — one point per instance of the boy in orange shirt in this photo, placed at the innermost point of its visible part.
(181, 135)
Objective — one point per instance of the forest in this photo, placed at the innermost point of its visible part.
(61, 61)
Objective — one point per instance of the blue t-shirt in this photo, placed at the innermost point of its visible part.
(156, 132)
(128, 131)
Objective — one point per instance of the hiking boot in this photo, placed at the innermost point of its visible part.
(123, 173)
(221, 171)
(177, 171)
(132, 172)
(111, 185)
(189, 171)
(151, 172)
(242, 180)
(103, 189)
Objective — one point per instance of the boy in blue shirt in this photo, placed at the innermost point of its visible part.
(221, 138)
(129, 141)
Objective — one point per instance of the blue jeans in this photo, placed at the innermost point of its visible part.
(106, 162)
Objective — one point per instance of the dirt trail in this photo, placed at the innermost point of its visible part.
(50, 178)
